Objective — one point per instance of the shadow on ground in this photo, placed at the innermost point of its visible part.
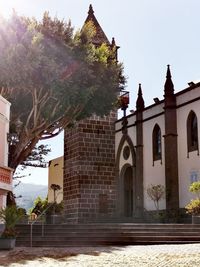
(22, 255)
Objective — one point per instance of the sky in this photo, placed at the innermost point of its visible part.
(150, 33)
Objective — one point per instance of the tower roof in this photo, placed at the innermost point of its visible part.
(169, 86)
(140, 100)
(100, 36)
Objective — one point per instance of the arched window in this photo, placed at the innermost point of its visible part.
(156, 143)
(192, 132)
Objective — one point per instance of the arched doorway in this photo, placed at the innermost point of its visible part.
(126, 182)
(128, 192)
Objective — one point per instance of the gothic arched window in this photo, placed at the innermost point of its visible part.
(156, 143)
(192, 132)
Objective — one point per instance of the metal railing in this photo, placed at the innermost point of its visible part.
(43, 220)
(36, 220)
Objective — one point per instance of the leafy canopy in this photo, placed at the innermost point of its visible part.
(52, 77)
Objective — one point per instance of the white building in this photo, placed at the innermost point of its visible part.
(159, 144)
(5, 172)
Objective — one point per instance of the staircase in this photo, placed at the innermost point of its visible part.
(62, 235)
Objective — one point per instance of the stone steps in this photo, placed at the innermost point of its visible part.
(108, 234)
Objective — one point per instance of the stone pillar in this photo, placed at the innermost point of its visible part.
(139, 155)
(89, 170)
(171, 147)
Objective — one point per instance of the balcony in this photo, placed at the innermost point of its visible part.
(6, 178)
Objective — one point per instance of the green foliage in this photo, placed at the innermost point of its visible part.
(156, 193)
(10, 215)
(40, 205)
(59, 76)
(102, 53)
(85, 36)
(193, 207)
(195, 188)
(37, 157)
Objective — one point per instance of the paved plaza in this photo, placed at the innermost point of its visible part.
(136, 256)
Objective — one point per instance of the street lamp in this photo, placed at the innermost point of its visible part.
(12, 138)
(123, 101)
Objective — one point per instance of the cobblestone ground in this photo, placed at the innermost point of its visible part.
(136, 256)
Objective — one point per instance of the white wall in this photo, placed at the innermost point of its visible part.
(4, 129)
(154, 172)
(188, 167)
(5, 173)
(122, 161)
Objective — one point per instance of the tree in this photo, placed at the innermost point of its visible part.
(55, 187)
(52, 77)
(156, 193)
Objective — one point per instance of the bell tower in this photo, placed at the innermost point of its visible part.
(89, 159)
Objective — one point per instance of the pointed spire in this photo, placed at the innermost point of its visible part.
(113, 42)
(91, 11)
(99, 37)
(140, 100)
(169, 86)
(168, 76)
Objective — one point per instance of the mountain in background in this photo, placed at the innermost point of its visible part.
(28, 193)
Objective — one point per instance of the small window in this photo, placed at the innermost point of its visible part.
(126, 152)
(192, 132)
(156, 143)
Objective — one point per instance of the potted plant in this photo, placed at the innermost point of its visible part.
(193, 207)
(10, 216)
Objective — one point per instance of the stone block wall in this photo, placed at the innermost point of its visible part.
(89, 170)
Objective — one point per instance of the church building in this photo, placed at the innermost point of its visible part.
(160, 146)
(110, 163)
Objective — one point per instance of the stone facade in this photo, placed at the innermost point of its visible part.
(89, 169)
(89, 159)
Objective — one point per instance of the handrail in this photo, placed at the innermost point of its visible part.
(32, 223)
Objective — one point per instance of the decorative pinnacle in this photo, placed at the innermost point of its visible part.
(168, 72)
(113, 42)
(140, 100)
(91, 11)
(140, 90)
(169, 87)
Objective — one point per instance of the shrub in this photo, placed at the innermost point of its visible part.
(193, 207)
(195, 189)
(10, 215)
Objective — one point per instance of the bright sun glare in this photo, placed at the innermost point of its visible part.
(6, 6)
